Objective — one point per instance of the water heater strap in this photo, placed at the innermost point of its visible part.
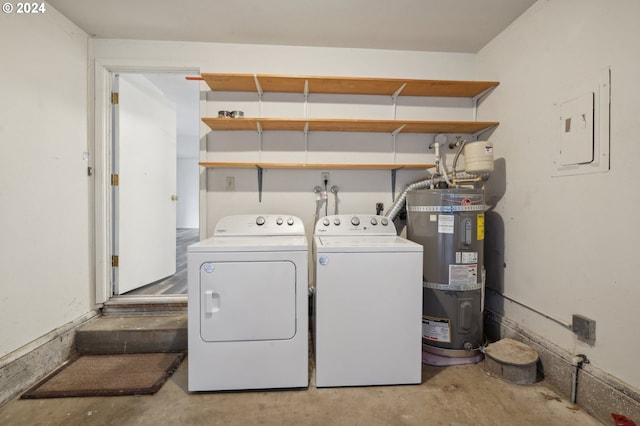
(453, 287)
(447, 209)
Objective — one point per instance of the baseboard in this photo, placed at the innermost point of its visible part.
(598, 393)
(24, 367)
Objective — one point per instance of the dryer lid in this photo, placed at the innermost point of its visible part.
(251, 243)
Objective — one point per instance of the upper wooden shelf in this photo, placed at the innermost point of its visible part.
(347, 125)
(327, 166)
(345, 85)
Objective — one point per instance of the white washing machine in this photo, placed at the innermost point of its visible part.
(367, 303)
(248, 305)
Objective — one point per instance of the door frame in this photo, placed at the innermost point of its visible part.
(102, 161)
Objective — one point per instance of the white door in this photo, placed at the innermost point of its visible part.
(145, 196)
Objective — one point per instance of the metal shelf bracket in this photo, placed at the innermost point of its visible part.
(393, 184)
(259, 169)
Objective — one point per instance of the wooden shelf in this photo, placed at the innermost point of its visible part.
(346, 125)
(328, 166)
(345, 85)
(307, 85)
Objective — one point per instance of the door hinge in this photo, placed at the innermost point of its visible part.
(114, 261)
(115, 180)
(114, 98)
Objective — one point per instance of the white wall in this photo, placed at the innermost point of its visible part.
(291, 191)
(45, 226)
(570, 243)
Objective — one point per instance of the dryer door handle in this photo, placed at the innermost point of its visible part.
(211, 302)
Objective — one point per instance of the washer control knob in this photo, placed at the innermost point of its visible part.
(384, 221)
(326, 222)
(260, 221)
(290, 221)
(336, 221)
(355, 221)
(279, 221)
(374, 221)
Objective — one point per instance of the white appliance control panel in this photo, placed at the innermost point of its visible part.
(265, 224)
(355, 224)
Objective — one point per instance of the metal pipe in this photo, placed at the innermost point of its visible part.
(577, 362)
(334, 191)
(524, 305)
(455, 159)
(318, 191)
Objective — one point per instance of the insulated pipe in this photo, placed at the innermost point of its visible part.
(392, 213)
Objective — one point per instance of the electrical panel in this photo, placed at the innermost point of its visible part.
(576, 131)
(583, 126)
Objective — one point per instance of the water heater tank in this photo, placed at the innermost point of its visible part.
(449, 223)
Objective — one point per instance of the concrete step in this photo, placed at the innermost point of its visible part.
(156, 305)
(110, 334)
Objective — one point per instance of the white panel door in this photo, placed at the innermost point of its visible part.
(145, 206)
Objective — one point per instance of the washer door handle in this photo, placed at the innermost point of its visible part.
(211, 302)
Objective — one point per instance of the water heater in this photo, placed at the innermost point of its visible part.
(449, 223)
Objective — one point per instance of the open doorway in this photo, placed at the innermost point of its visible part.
(155, 148)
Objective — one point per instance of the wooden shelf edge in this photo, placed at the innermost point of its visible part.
(347, 125)
(332, 166)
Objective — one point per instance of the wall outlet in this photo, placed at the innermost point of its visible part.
(324, 177)
(230, 183)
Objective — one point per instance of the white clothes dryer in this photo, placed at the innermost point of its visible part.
(367, 303)
(248, 305)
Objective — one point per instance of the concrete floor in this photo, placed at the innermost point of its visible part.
(460, 395)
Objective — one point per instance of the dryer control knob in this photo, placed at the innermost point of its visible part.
(384, 221)
(336, 221)
(260, 221)
(279, 221)
(374, 221)
(355, 221)
(290, 221)
(326, 222)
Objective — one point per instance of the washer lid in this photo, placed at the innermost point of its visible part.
(251, 243)
(372, 243)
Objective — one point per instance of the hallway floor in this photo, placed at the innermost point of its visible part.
(460, 395)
